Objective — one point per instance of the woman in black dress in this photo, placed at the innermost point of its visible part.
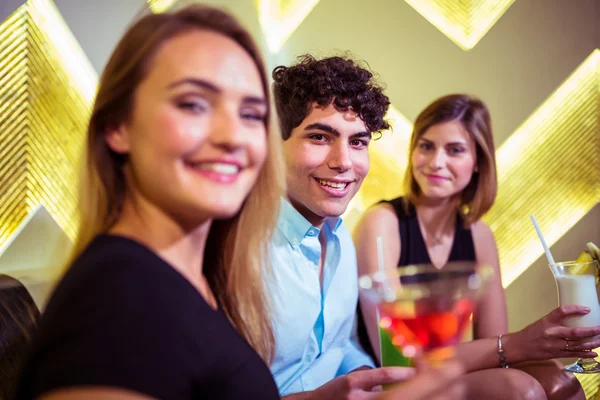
(180, 190)
(450, 184)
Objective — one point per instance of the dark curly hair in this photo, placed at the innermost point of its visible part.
(338, 80)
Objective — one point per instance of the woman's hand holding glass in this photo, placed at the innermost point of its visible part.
(549, 338)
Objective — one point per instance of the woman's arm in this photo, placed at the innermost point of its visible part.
(544, 339)
(490, 317)
(380, 220)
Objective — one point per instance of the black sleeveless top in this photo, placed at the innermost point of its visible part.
(414, 251)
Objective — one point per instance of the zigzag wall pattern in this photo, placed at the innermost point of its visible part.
(42, 123)
(44, 107)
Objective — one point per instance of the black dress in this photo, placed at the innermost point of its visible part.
(414, 251)
(124, 318)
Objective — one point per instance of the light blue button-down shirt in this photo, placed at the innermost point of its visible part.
(314, 325)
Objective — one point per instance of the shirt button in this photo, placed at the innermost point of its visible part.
(312, 232)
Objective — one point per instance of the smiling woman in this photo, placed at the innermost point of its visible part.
(450, 184)
(179, 159)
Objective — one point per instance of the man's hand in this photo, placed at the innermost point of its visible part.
(360, 384)
(430, 384)
(423, 383)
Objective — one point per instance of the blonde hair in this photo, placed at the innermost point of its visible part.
(479, 195)
(237, 250)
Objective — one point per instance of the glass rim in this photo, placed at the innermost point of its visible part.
(576, 263)
(419, 269)
(426, 280)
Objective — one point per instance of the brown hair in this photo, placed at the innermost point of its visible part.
(235, 262)
(479, 195)
(338, 80)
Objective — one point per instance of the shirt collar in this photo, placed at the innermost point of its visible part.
(295, 227)
(334, 223)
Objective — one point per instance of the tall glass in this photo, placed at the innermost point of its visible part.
(576, 283)
(423, 308)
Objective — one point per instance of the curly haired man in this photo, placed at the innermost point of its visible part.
(329, 109)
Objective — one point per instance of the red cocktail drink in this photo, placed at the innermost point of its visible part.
(422, 308)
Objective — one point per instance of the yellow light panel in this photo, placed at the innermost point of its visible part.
(280, 18)
(46, 88)
(548, 167)
(589, 383)
(159, 6)
(463, 22)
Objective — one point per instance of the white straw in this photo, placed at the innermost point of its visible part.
(545, 245)
(380, 253)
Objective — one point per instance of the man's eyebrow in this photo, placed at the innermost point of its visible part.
(363, 134)
(322, 127)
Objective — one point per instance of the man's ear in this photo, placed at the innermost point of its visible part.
(117, 139)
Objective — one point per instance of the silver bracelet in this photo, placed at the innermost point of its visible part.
(503, 363)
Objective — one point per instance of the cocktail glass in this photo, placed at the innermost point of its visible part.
(576, 283)
(424, 309)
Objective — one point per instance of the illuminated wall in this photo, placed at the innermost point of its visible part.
(536, 63)
(46, 87)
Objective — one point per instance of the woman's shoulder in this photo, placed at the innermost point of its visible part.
(113, 270)
(380, 213)
(481, 230)
(483, 238)
(110, 256)
(398, 207)
(379, 219)
(390, 212)
(114, 248)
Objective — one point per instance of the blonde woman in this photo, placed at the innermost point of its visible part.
(180, 192)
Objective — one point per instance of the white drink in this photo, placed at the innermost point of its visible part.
(579, 290)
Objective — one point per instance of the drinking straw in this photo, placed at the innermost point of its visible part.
(545, 245)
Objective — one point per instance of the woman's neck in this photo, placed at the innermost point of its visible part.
(437, 216)
(180, 246)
